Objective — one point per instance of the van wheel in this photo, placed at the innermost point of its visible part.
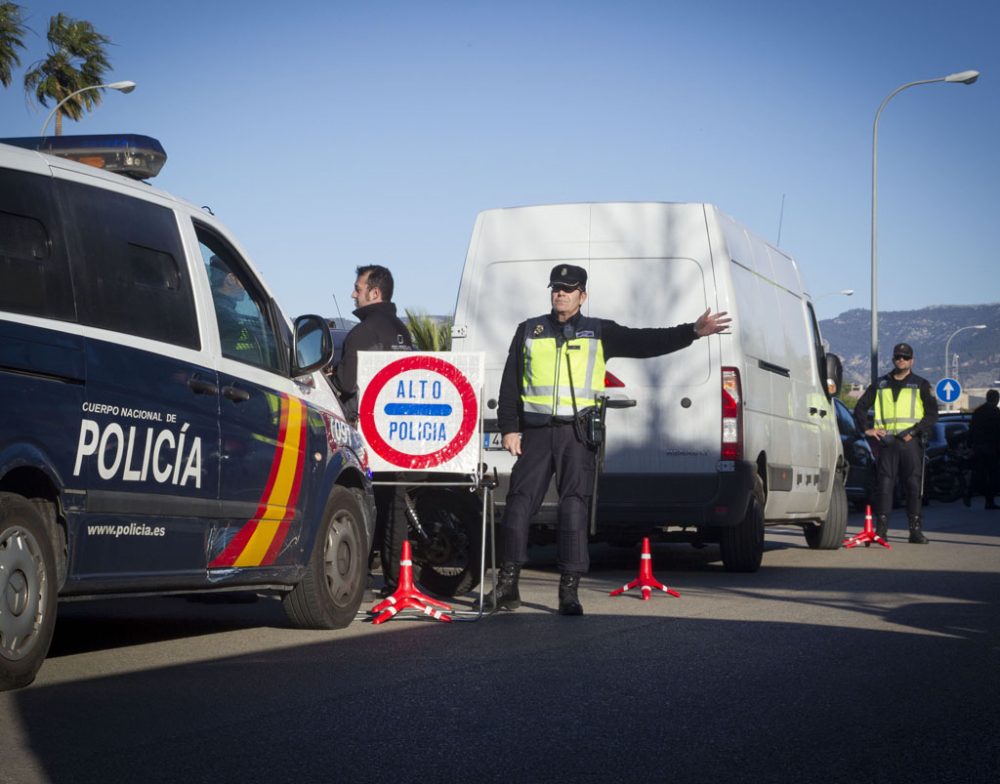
(742, 545)
(330, 593)
(829, 535)
(27, 591)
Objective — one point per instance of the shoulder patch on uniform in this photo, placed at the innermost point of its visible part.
(539, 329)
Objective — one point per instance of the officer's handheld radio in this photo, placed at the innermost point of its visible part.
(590, 424)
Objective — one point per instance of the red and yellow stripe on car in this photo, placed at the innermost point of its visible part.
(257, 543)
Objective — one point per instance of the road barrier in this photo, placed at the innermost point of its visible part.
(868, 535)
(407, 596)
(645, 580)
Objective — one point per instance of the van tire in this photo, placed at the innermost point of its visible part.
(28, 591)
(829, 534)
(742, 545)
(330, 592)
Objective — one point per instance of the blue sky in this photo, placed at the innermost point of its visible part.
(331, 134)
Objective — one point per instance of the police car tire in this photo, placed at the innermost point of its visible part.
(742, 545)
(454, 518)
(829, 534)
(330, 592)
(28, 591)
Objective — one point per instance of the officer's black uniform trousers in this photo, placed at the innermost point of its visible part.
(904, 459)
(547, 451)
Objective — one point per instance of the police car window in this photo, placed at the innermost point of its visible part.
(34, 269)
(245, 330)
(128, 266)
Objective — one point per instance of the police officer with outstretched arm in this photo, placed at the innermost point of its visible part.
(554, 372)
(905, 413)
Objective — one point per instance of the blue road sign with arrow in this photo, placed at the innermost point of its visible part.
(948, 390)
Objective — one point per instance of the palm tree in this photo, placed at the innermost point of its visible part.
(12, 32)
(77, 60)
(428, 334)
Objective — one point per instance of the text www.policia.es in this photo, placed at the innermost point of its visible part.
(126, 529)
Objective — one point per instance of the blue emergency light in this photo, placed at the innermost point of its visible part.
(136, 156)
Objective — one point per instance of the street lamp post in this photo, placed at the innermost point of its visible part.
(122, 87)
(947, 344)
(963, 77)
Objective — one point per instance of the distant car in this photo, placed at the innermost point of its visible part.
(950, 432)
(338, 331)
(861, 462)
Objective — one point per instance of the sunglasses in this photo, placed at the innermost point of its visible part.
(564, 288)
(897, 357)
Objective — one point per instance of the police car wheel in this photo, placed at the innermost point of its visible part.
(829, 534)
(742, 545)
(330, 593)
(27, 591)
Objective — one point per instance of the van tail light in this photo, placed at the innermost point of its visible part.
(732, 419)
(611, 380)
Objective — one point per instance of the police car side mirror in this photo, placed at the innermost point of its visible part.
(312, 346)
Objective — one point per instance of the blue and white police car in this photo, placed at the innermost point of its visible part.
(165, 428)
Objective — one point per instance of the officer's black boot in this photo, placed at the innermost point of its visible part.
(916, 535)
(569, 603)
(506, 596)
(882, 526)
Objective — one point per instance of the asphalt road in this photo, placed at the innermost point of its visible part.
(864, 665)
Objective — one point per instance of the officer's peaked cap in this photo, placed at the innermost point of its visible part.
(568, 275)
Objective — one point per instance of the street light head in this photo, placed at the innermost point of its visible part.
(963, 77)
(122, 87)
(980, 326)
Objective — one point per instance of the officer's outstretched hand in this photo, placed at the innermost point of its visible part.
(709, 323)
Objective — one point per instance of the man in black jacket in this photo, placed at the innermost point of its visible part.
(554, 371)
(380, 330)
(984, 438)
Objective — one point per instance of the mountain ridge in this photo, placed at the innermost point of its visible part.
(927, 330)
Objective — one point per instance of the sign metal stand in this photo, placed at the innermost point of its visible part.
(378, 407)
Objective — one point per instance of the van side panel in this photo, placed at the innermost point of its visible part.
(779, 368)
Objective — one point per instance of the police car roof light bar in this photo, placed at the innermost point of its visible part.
(131, 154)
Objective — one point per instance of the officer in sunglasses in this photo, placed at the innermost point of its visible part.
(905, 412)
(554, 372)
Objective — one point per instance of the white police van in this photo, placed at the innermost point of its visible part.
(734, 432)
(165, 428)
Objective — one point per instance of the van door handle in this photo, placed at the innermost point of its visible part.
(235, 394)
(202, 387)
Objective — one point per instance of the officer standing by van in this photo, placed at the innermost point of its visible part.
(380, 330)
(905, 412)
(554, 372)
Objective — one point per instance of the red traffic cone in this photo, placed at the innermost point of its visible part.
(868, 535)
(407, 596)
(645, 580)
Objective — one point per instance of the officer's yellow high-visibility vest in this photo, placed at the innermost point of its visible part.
(551, 358)
(900, 414)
